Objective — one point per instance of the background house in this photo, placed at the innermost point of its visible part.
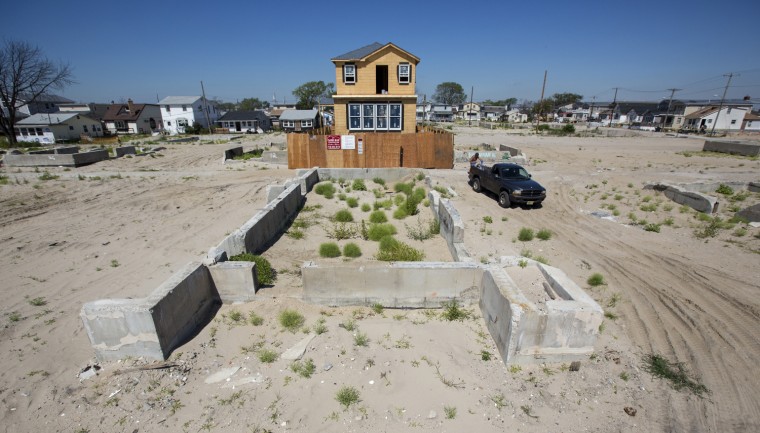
(131, 118)
(720, 119)
(375, 90)
(48, 128)
(300, 120)
(469, 112)
(255, 121)
(181, 112)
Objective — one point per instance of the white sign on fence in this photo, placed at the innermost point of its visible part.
(348, 142)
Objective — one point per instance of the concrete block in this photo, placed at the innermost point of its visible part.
(125, 150)
(751, 214)
(746, 148)
(435, 199)
(153, 326)
(273, 191)
(67, 150)
(234, 281)
(753, 187)
(51, 159)
(232, 153)
(308, 179)
(695, 200)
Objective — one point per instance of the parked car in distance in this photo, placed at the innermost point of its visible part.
(510, 182)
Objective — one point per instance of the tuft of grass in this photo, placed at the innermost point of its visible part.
(47, 176)
(595, 280)
(452, 311)
(392, 250)
(295, 234)
(267, 356)
(254, 319)
(347, 395)
(652, 227)
(379, 231)
(329, 249)
(352, 202)
(525, 235)
(341, 231)
(485, 355)
(291, 320)
(358, 185)
(544, 234)
(352, 250)
(343, 216)
(320, 327)
(326, 189)
(674, 372)
(450, 412)
(366, 207)
(487, 219)
(378, 217)
(38, 302)
(379, 181)
(304, 369)
(361, 339)
(724, 189)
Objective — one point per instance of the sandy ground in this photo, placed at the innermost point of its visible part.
(119, 228)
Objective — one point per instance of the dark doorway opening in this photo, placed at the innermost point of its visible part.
(381, 79)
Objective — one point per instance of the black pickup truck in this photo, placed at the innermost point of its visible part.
(510, 182)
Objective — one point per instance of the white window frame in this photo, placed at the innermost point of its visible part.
(404, 78)
(307, 123)
(349, 77)
(380, 116)
(288, 124)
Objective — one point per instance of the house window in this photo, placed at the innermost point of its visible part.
(375, 117)
(749, 125)
(71, 128)
(288, 124)
(31, 131)
(733, 122)
(168, 123)
(168, 108)
(307, 123)
(184, 108)
(84, 128)
(709, 120)
(404, 73)
(349, 73)
(39, 131)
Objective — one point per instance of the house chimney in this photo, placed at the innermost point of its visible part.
(129, 104)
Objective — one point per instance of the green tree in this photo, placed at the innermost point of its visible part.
(250, 104)
(562, 99)
(543, 108)
(225, 106)
(308, 94)
(509, 102)
(26, 75)
(449, 93)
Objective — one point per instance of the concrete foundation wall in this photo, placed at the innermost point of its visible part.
(523, 334)
(55, 160)
(261, 230)
(153, 326)
(452, 229)
(388, 174)
(396, 285)
(732, 147)
(232, 153)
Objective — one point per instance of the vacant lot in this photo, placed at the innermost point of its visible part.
(676, 284)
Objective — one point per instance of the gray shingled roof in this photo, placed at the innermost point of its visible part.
(48, 119)
(360, 53)
(298, 114)
(179, 100)
(243, 115)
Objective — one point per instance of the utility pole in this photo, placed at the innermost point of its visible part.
(205, 108)
(469, 114)
(541, 102)
(729, 75)
(612, 107)
(591, 110)
(670, 102)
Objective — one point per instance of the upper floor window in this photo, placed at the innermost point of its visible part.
(184, 108)
(168, 108)
(349, 73)
(404, 73)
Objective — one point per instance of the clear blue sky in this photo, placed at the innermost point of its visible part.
(140, 49)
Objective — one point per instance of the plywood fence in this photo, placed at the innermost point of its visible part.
(429, 149)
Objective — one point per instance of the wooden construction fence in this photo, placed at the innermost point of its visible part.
(430, 149)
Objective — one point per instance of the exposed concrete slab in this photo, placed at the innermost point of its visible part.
(695, 200)
(395, 285)
(231, 153)
(734, 147)
(751, 214)
(297, 351)
(235, 281)
(153, 326)
(753, 187)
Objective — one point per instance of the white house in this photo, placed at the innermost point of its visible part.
(179, 112)
(707, 119)
(515, 116)
(751, 123)
(49, 128)
(469, 112)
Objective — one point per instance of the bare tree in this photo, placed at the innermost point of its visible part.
(25, 75)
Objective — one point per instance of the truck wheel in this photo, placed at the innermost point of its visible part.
(504, 199)
(476, 185)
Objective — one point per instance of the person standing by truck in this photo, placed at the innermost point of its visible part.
(475, 161)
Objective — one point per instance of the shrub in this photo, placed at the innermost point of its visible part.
(326, 189)
(406, 188)
(652, 227)
(347, 396)
(342, 197)
(329, 249)
(291, 320)
(452, 311)
(366, 207)
(264, 273)
(724, 189)
(399, 199)
(379, 181)
(352, 202)
(254, 319)
(377, 231)
(378, 216)
(595, 280)
(361, 339)
(525, 234)
(420, 232)
(340, 231)
(267, 356)
(343, 216)
(400, 213)
(411, 203)
(392, 250)
(304, 369)
(568, 129)
(352, 250)
(383, 204)
(544, 234)
(419, 194)
(358, 185)
(675, 372)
